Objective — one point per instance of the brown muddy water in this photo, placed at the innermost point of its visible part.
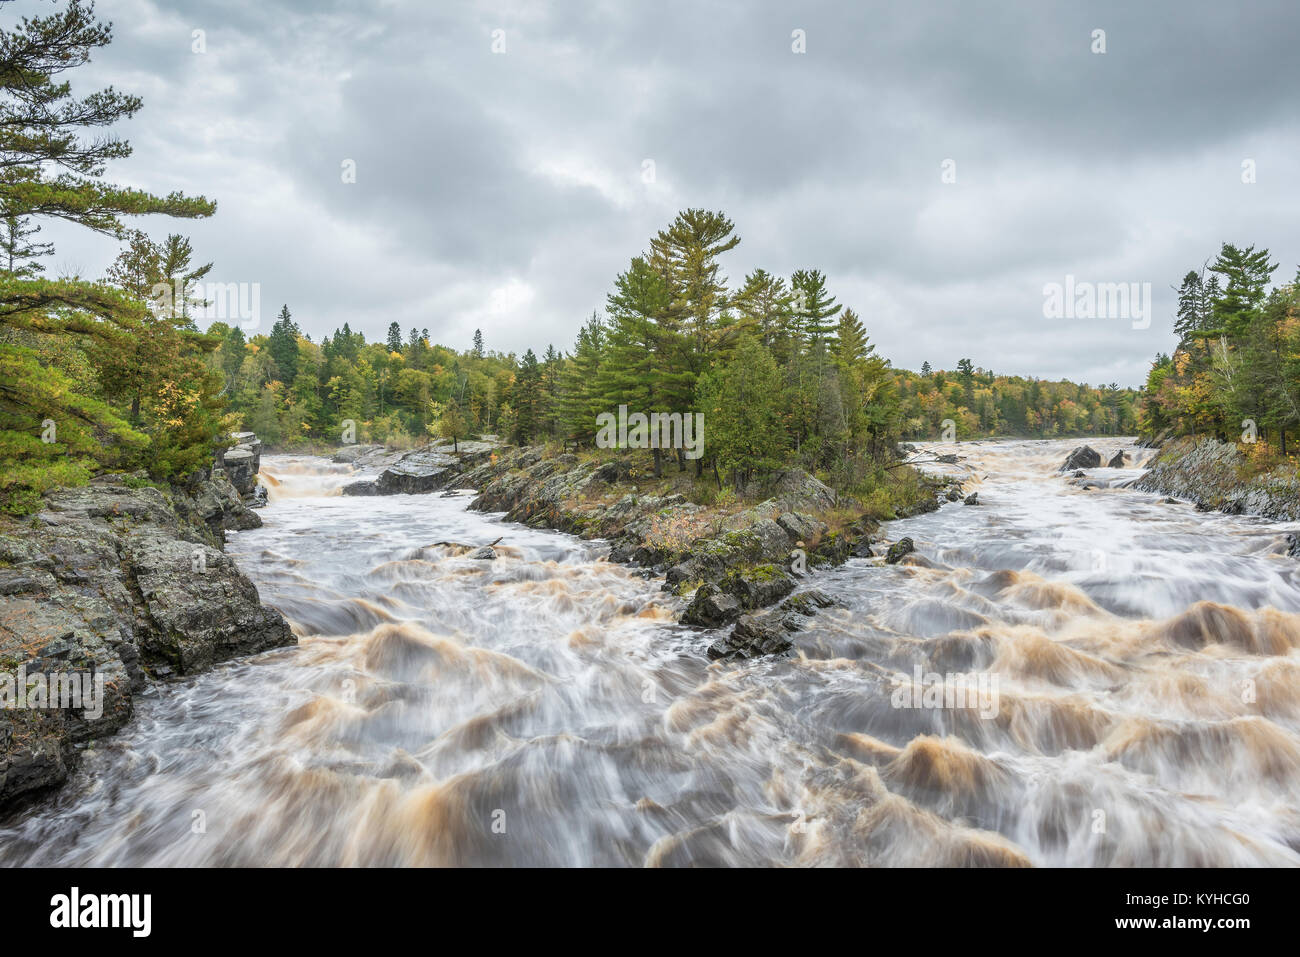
(1137, 663)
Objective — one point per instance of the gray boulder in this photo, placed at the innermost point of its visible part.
(711, 608)
(753, 637)
(1084, 457)
(900, 548)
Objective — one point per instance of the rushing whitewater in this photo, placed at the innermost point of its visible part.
(545, 708)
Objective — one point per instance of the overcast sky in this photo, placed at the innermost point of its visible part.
(506, 190)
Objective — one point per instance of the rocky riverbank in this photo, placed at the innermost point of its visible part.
(1217, 475)
(107, 587)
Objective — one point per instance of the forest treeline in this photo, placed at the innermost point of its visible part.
(1235, 373)
(783, 373)
(107, 375)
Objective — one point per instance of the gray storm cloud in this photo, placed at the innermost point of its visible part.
(505, 190)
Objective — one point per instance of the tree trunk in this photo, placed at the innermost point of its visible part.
(659, 463)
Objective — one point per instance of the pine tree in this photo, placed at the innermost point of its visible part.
(1246, 274)
(283, 346)
(53, 170)
(966, 374)
(740, 403)
(765, 305)
(685, 255)
(527, 398)
(394, 337)
(174, 264)
(578, 378)
(478, 343)
(20, 256)
(1190, 306)
(815, 309)
(647, 362)
(549, 412)
(850, 345)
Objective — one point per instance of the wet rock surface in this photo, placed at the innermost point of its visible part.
(1084, 457)
(1216, 476)
(413, 473)
(241, 464)
(724, 564)
(897, 551)
(119, 584)
(770, 633)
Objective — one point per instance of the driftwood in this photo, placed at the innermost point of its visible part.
(462, 545)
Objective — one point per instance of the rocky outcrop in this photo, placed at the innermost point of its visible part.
(1217, 475)
(117, 585)
(1084, 457)
(1116, 460)
(207, 502)
(241, 463)
(725, 563)
(897, 551)
(740, 589)
(770, 633)
(415, 473)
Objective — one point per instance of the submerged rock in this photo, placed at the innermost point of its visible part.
(1084, 457)
(972, 499)
(770, 633)
(753, 637)
(897, 551)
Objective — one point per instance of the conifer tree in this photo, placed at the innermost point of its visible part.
(283, 346)
(740, 403)
(765, 306)
(815, 308)
(19, 254)
(53, 169)
(578, 378)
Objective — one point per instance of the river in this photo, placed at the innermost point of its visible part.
(1137, 661)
